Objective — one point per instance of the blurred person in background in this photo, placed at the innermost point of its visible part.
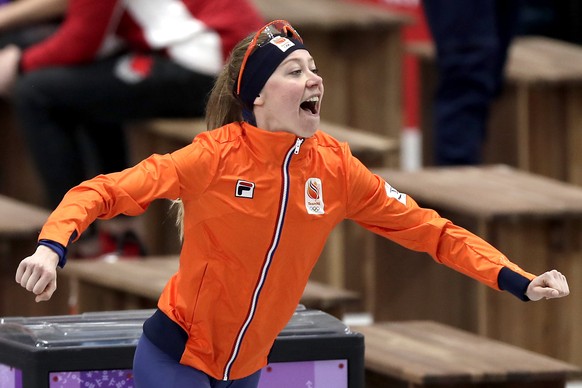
(108, 63)
(471, 40)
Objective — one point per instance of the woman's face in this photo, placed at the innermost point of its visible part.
(291, 98)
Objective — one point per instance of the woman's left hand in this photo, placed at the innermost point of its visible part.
(549, 285)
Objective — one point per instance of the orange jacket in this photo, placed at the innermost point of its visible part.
(259, 206)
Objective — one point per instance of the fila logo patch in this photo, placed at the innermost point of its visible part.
(244, 189)
(393, 193)
(314, 196)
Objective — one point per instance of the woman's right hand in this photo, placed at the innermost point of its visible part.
(38, 273)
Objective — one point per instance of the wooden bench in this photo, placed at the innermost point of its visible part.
(126, 284)
(536, 124)
(536, 221)
(20, 224)
(430, 354)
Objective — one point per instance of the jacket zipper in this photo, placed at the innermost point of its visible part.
(297, 146)
(294, 150)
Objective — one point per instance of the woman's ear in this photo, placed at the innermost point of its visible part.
(259, 100)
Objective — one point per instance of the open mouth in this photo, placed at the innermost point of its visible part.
(310, 105)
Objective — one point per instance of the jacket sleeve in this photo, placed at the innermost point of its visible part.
(130, 191)
(382, 209)
(80, 37)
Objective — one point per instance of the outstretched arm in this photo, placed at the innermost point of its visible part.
(549, 285)
(38, 273)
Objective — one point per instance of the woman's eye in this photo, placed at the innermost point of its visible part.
(315, 70)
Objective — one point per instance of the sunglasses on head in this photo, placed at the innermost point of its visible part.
(271, 30)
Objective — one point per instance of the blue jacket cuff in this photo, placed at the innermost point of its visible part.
(513, 283)
(59, 249)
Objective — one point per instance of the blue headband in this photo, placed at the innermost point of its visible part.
(259, 67)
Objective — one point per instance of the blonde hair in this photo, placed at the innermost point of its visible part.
(223, 107)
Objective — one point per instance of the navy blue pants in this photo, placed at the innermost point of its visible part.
(152, 368)
(471, 40)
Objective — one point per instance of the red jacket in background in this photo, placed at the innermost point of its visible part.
(198, 34)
